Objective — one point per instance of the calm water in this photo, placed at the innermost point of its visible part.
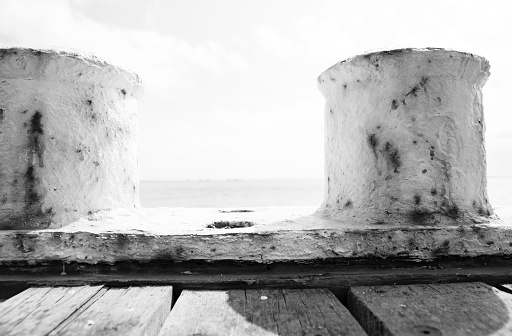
(255, 193)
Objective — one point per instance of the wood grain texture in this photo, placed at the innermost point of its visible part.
(121, 311)
(61, 328)
(435, 310)
(37, 311)
(260, 312)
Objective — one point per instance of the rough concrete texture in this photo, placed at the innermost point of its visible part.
(68, 138)
(405, 137)
(272, 235)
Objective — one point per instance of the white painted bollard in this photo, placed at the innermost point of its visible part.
(405, 137)
(68, 138)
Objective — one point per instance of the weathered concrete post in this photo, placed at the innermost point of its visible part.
(405, 137)
(68, 138)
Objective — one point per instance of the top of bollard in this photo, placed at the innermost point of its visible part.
(402, 51)
(399, 51)
(63, 65)
(376, 61)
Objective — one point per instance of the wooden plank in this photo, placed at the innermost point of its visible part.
(121, 311)
(260, 312)
(441, 309)
(60, 328)
(37, 311)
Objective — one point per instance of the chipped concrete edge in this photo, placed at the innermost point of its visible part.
(263, 246)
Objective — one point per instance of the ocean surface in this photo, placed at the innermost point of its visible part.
(262, 193)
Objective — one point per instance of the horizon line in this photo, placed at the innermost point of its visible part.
(263, 179)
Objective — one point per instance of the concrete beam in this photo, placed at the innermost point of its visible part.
(263, 235)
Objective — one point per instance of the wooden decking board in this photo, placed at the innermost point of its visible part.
(440, 309)
(427, 309)
(260, 312)
(208, 313)
(122, 311)
(37, 311)
(61, 327)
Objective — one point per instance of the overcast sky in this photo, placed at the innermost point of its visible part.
(231, 85)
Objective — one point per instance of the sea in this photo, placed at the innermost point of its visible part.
(264, 193)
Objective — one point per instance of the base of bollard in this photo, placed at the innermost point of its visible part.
(261, 235)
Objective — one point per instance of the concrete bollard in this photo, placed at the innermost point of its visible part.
(405, 138)
(68, 138)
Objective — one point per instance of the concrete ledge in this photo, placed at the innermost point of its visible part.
(264, 235)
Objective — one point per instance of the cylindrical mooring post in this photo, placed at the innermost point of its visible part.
(68, 138)
(405, 137)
